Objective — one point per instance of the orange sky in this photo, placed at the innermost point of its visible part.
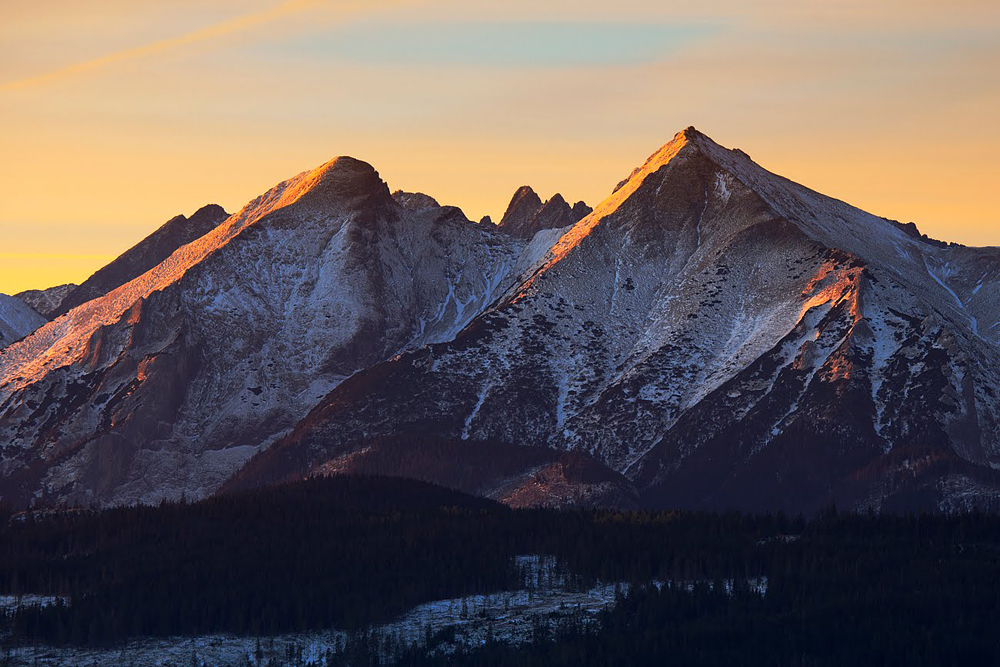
(115, 115)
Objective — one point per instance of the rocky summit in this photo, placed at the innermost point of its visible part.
(526, 215)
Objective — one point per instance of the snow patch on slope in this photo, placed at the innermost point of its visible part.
(17, 319)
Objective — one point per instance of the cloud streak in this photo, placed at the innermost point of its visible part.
(214, 31)
(500, 44)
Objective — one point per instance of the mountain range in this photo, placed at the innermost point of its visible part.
(711, 335)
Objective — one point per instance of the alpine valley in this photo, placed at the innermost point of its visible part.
(710, 336)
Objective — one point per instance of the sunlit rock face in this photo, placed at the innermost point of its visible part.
(165, 385)
(721, 338)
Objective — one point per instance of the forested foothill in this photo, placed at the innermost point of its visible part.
(354, 552)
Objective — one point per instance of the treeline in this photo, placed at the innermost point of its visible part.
(837, 621)
(846, 589)
(342, 552)
(350, 552)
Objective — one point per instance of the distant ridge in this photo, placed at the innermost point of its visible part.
(143, 256)
(46, 301)
(526, 215)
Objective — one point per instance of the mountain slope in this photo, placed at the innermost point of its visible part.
(724, 338)
(17, 319)
(165, 385)
(144, 255)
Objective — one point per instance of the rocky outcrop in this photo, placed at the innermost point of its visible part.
(526, 215)
(910, 229)
(414, 201)
(581, 210)
(46, 302)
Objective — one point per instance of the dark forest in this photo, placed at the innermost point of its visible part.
(352, 552)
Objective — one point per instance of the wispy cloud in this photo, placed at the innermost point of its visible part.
(502, 43)
(214, 31)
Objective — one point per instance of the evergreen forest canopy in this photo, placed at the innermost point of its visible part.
(352, 552)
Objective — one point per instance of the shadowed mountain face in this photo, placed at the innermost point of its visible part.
(522, 208)
(526, 215)
(710, 336)
(144, 256)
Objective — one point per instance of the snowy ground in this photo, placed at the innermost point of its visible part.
(8, 602)
(508, 615)
(546, 598)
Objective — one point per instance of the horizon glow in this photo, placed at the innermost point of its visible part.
(117, 116)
